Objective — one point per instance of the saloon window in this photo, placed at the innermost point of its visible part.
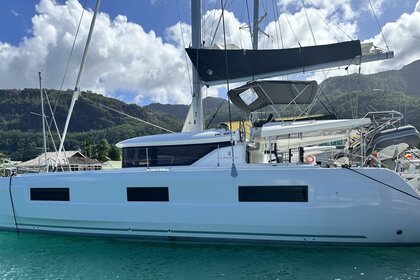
(273, 193)
(167, 155)
(50, 194)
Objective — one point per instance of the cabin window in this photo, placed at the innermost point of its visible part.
(133, 157)
(273, 193)
(167, 155)
(148, 194)
(50, 194)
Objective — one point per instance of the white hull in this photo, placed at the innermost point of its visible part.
(343, 206)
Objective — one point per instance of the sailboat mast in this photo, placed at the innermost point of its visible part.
(197, 103)
(43, 121)
(76, 92)
(255, 25)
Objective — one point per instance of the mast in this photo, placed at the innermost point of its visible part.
(43, 121)
(196, 103)
(255, 26)
(76, 92)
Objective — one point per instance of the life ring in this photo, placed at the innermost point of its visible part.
(309, 159)
(408, 156)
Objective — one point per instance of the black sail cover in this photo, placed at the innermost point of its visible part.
(258, 94)
(253, 64)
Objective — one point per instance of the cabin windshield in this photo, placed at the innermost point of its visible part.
(167, 155)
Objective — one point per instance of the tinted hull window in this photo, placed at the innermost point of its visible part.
(273, 193)
(50, 194)
(147, 194)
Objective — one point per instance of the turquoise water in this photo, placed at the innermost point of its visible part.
(36, 256)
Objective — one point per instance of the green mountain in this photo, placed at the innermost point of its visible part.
(211, 105)
(404, 80)
(20, 122)
(390, 90)
(347, 96)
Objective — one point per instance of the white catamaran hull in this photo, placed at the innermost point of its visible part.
(342, 205)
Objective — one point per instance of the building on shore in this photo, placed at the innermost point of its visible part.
(65, 161)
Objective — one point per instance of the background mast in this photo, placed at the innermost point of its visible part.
(197, 102)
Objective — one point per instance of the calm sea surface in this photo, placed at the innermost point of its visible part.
(36, 256)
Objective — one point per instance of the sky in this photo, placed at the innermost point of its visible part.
(137, 51)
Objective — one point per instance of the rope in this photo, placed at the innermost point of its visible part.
(13, 205)
(379, 26)
(345, 166)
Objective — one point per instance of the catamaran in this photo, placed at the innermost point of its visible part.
(217, 185)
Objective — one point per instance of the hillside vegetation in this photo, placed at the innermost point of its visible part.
(20, 121)
(347, 96)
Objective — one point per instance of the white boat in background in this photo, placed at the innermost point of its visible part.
(215, 185)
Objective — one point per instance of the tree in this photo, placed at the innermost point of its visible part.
(114, 153)
(102, 149)
(89, 149)
(2, 156)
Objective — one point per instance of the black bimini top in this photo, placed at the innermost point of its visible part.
(258, 94)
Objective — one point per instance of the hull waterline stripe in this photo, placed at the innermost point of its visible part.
(201, 232)
(92, 228)
(272, 234)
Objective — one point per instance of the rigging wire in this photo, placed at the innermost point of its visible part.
(234, 172)
(214, 115)
(183, 45)
(345, 166)
(70, 56)
(206, 19)
(138, 119)
(249, 18)
(379, 26)
(238, 29)
(213, 22)
(245, 26)
(309, 22)
(265, 18)
(55, 125)
(277, 24)
(291, 27)
(218, 23)
(326, 17)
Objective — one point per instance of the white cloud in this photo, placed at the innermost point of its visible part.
(377, 6)
(122, 56)
(295, 27)
(403, 37)
(334, 9)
